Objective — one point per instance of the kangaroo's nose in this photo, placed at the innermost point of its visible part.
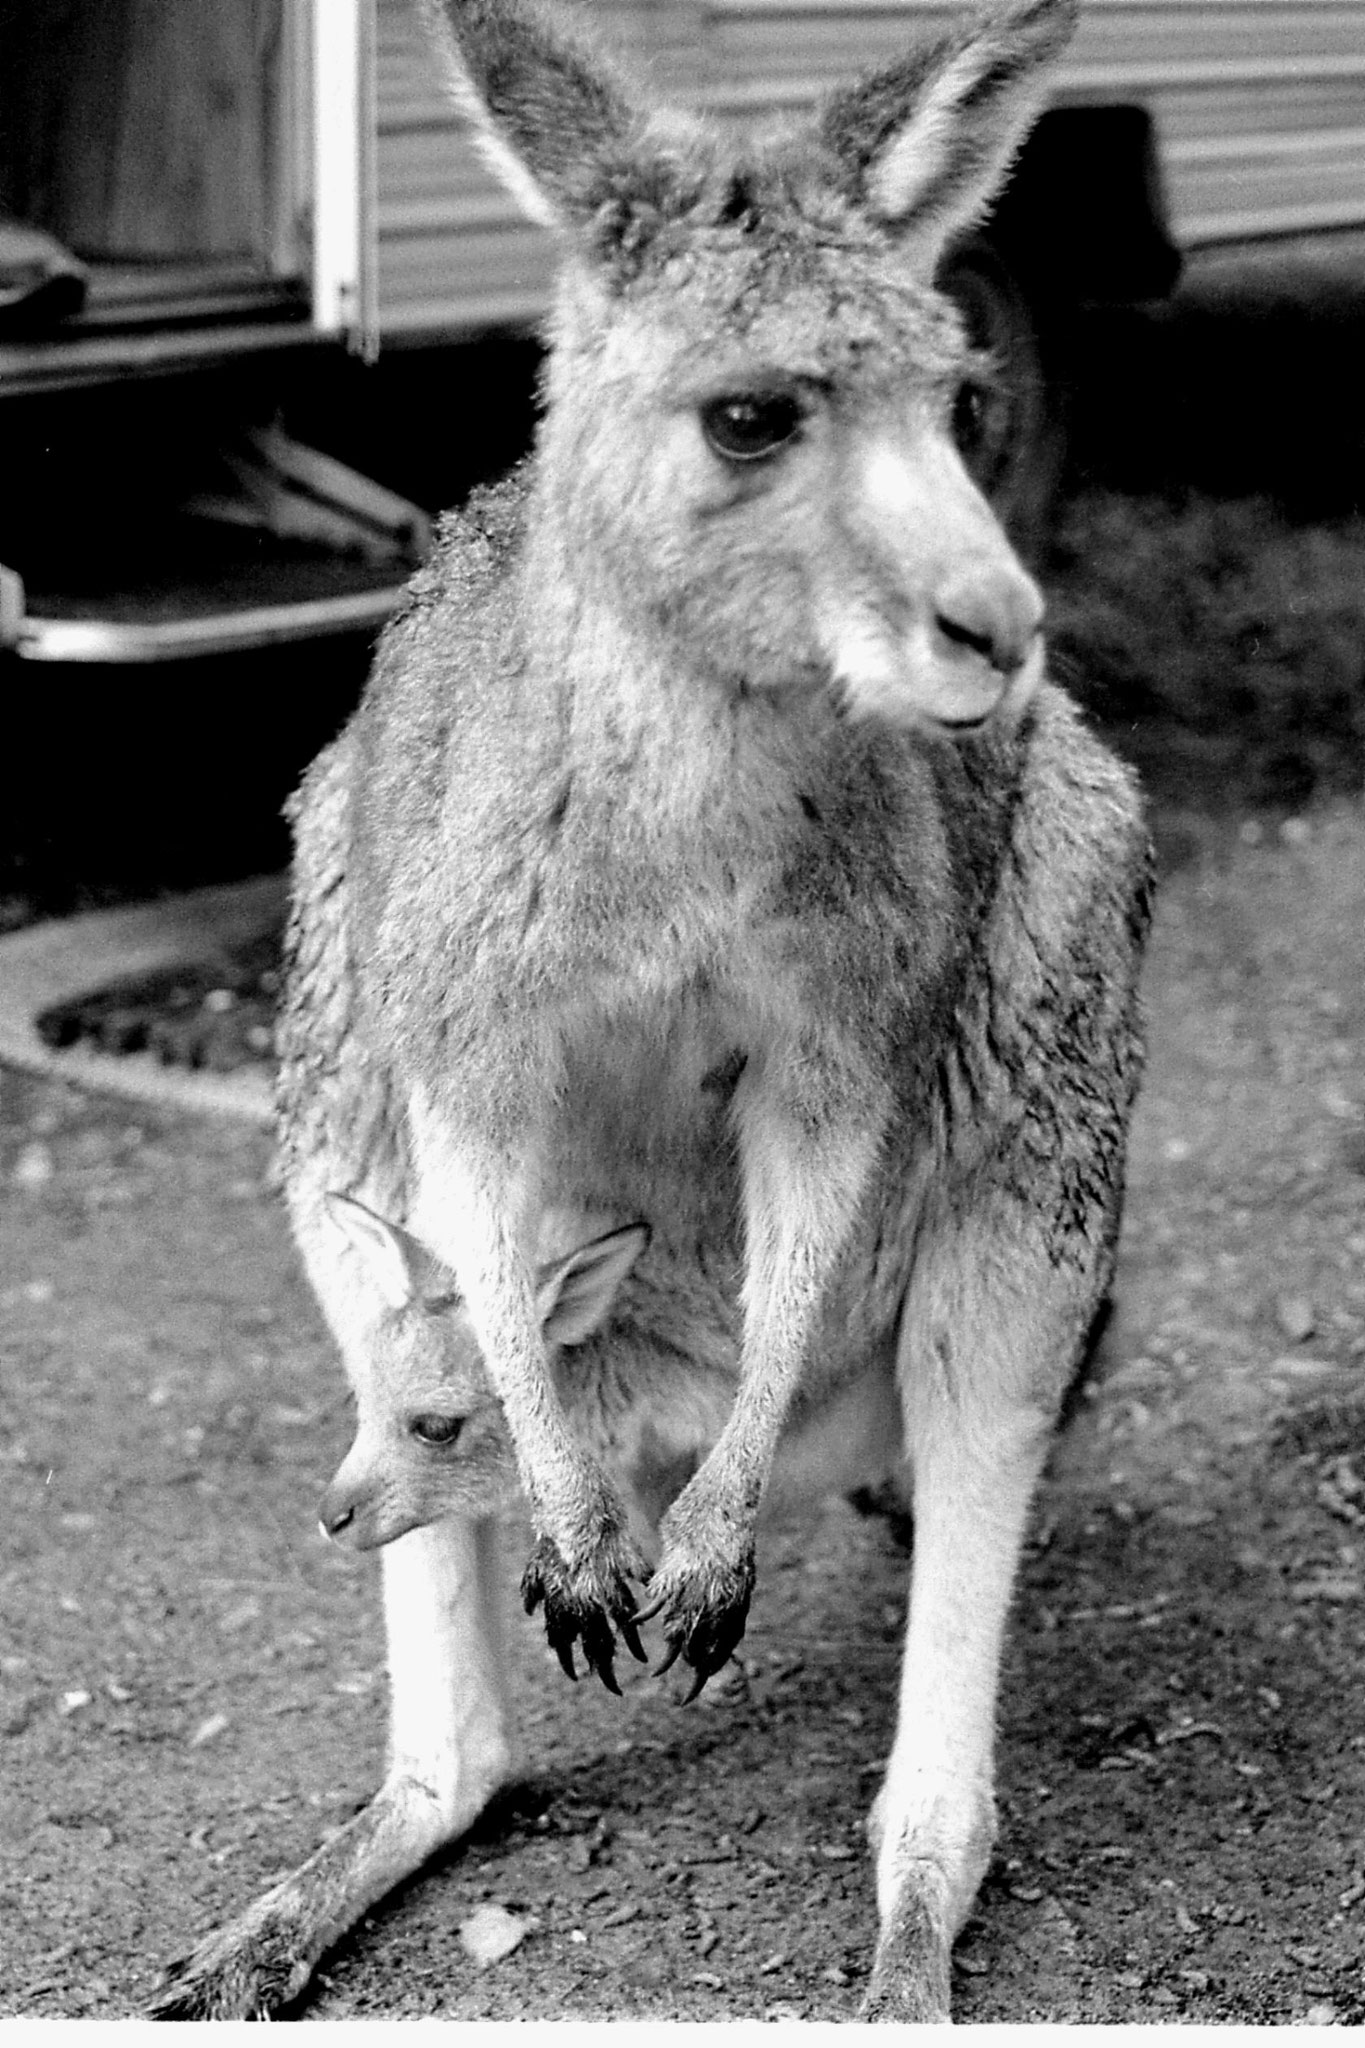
(335, 1515)
(994, 612)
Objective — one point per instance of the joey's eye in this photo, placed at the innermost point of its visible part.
(436, 1429)
(751, 425)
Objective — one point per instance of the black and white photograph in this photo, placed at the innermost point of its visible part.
(682, 1011)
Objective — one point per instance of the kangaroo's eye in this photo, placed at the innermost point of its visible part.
(970, 404)
(751, 425)
(436, 1429)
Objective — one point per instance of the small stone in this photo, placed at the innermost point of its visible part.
(72, 1702)
(491, 1933)
(621, 1916)
(16, 1712)
(208, 1730)
(1332, 1586)
(1295, 1315)
(241, 1616)
(34, 1168)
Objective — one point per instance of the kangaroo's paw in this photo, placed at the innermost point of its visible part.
(590, 1604)
(705, 1607)
(240, 1973)
(910, 1971)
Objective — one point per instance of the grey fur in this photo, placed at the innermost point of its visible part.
(709, 851)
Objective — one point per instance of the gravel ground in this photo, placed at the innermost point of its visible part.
(191, 1687)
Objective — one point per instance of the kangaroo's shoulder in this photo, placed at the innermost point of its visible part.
(1081, 825)
(1074, 892)
(451, 627)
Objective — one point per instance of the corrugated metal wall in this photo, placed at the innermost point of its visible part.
(1259, 109)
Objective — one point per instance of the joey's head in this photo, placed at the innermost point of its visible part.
(749, 448)
(431, 1437)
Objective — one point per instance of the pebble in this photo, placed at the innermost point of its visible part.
(1295, 1315)
(208, 1730)
(34, 1167)
(491, 1932)
(16, 1713)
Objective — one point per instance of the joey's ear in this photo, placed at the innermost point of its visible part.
(555, 120)
(575, 1294)
(927, 141)
(396, 1262)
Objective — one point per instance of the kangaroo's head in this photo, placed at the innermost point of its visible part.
(431, 1437)
(749, 445)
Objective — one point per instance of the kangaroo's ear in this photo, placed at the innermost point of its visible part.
(575, 1294)
(927, 141)
(556, 121)
(399, 1266)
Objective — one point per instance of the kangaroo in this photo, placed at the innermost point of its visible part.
(644, 1364)
(431, 1439)
(710, 848)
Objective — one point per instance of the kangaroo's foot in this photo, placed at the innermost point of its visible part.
(589, 1603)
(243, 1972)
(910, 1972)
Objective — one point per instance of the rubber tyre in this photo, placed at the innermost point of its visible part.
(1009, 421)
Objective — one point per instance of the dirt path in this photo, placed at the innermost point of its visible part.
(190, 1681)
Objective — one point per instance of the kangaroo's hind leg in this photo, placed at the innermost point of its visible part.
(992, 1328)
(450, 1749)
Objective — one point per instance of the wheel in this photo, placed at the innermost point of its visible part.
(1008, 421)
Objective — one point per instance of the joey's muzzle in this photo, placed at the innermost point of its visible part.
(338, 1510)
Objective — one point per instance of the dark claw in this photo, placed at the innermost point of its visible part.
(670, 1657)
(630, 1636)
(599, 1648)
(563, 1649)
(698, 1682)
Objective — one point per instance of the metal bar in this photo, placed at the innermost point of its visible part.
(111, 642)
(341, 171)
(1207, 230)
(63, 365)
